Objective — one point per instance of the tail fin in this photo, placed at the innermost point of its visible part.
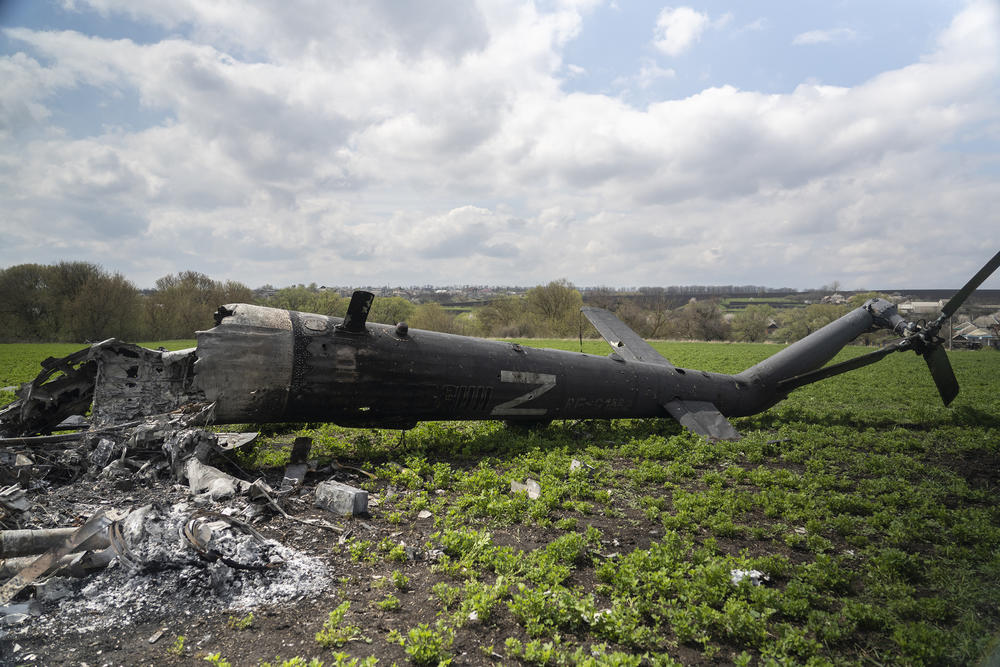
(626, 342)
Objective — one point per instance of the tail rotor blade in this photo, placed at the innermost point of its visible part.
(956, 301)
(944, 376)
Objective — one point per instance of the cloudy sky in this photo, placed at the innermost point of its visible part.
(371, 142)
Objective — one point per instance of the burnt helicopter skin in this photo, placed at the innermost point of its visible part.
(313, 368)
(260, 365)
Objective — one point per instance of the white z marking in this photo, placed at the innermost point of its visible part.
(521, 377)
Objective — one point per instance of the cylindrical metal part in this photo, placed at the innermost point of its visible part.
(71, 565)
(811, 352)
(15, 543)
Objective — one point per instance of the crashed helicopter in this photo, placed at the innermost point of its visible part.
(260, 365)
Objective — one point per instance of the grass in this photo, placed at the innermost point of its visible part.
(872, 510)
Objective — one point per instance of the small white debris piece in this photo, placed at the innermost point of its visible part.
(530, 486)
(756, 577)
(473, 616)
(341, 498)
(207, 479)
(155, 637)
(424, 514)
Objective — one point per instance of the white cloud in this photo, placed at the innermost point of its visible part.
(648, 75)
(825, 36)
(651, 72)
(677, 29)
(723, 21)
(417, 160)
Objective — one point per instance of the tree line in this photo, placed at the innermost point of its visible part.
(81, 301)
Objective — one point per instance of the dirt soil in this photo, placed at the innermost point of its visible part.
(121, 616)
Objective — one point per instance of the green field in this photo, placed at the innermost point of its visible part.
(872, 509)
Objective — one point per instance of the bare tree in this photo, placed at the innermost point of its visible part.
(750, 324)
(557, 305)
(433, 317)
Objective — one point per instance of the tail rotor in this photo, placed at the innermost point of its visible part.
(926, 342)
(922, 339)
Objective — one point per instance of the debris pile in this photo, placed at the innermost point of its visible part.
(128, 517)
(161, 573)
(169, 557)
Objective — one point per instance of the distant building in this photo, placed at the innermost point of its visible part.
(968, 335)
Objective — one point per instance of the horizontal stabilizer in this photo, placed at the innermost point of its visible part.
(703, 418)
(626, 342)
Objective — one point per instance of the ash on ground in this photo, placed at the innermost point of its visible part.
(161, 574)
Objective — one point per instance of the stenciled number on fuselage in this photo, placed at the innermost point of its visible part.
(545, 382)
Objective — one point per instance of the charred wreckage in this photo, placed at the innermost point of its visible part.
(265, 365)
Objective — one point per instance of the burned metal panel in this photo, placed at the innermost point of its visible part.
(64, 387)
(245, 363)
(133, 382)
(263, 364)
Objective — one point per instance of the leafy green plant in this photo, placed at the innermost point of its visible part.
(361, 551)
(240, 623)
(426, 645)
(447, 594)
(388, 603)
(400, 580)
(177, 648)
(336, 632)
